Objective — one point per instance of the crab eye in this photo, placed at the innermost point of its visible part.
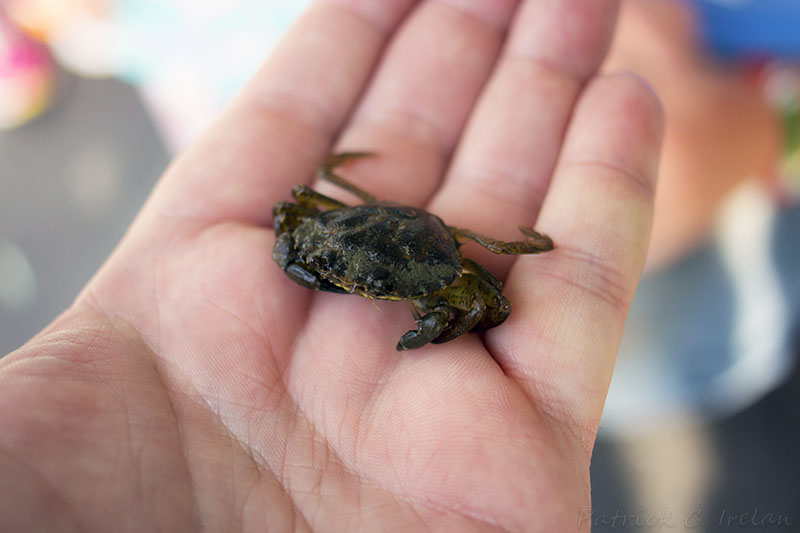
(382, 287)
(387, 287)
(326, 260)
(380, 281)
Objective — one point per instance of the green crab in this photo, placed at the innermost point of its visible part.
(386, 251)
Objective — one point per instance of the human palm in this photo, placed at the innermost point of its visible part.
(192, 384)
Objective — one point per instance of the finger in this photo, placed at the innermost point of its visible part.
(416, 106)
(285, 119)
(569, 305)
(502, 168)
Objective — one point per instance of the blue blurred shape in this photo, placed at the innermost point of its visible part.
(742, 29)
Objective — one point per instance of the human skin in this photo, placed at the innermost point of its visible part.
(192, 385)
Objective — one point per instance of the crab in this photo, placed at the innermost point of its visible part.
(385, 251)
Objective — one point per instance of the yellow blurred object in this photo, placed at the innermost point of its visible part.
(44, 18)
(784, 93)
(28, 96)
(80, 33)
(27, 76)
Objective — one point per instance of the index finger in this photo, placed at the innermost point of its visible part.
(570, 304)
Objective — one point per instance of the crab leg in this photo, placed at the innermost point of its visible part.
(490, 291)
(287, 216)
(463, 322)
(430, 325)
(534, 244)
(283, 254)
(308, 197)
(469, 297)
(473, 267)
(325, 172)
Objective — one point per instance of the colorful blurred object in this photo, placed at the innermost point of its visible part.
(82, 34)
(27, 76)
(187, 58)
(46, 19)
(781, 86)
(765, 34)
(750, 29)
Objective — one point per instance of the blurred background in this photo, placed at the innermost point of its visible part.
(702, 424)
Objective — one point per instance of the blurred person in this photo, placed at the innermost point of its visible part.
(709, 334)
(192, 385)
(721, 127)
(710, 328)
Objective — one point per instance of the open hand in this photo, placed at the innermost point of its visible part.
(193, 385)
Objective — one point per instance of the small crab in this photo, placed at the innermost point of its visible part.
(386, 251)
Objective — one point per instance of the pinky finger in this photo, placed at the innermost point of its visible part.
(570, 304)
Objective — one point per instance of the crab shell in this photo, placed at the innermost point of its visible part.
(381, 250)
